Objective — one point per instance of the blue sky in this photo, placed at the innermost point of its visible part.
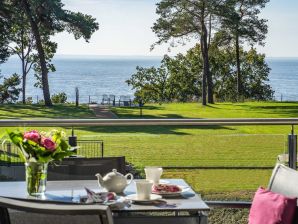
(125, 29)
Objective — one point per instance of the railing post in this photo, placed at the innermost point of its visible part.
(292, 148)
(8, 150)
(72, 140)
(102, 149)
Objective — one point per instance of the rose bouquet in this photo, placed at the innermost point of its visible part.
(37, 149)
(41, 146)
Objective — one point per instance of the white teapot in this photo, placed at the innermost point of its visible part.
(114, 181)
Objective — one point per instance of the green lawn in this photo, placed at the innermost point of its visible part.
(187, 146)
(19, 111)
(219, 110)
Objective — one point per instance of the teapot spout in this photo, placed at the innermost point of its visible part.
(99, 179)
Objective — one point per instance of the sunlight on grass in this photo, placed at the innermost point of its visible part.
(185, 146)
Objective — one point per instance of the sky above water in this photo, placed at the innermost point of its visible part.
(125, 29)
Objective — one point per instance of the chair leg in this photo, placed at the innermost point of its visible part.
(4, 216)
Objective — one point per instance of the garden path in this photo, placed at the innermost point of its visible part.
(102, 111)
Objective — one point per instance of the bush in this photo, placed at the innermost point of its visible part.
(59, 98)
(29, 100)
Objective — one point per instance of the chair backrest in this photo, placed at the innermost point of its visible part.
(112, 97)
(105, 97)
(85, 168)
(54, 208)
(284, 180)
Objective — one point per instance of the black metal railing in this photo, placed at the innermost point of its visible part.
(9, 154)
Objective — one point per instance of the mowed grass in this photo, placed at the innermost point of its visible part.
(19, 111)
(240, 146)
(219, 110)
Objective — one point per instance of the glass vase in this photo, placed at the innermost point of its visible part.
(36, 178)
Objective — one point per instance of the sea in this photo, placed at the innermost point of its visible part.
(98, 75)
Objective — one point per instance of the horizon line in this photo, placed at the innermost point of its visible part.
(144, 56)
(137, 55)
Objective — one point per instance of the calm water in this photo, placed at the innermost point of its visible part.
(96, 76)
(284, 78)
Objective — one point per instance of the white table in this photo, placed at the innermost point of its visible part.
(189, 207)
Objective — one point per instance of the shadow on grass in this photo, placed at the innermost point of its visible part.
(150, 116)
(39, 111)
(286, 110)
(158, 130)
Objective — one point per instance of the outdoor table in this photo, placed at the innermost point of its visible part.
(189, 207)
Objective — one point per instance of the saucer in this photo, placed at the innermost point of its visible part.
(134, 197)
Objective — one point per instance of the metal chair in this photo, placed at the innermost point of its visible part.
(52, 212)
(112, 98)
(284, 180)
(105, 98)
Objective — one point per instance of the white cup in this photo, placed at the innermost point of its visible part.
(153, 174)
(144, 189)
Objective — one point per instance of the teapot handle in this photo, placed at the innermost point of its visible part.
(131, 178)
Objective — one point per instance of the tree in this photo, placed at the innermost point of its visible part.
(255, 72)
(150, 84)
(9, 91)
(181, 82)
(4, 43)
(185, 19)
(22, 45)
(47, 17)
(242, 23)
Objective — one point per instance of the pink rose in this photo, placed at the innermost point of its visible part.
(48, 144)
(32, 135)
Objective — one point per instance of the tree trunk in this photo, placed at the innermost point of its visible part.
(24, 87)
(204, 80)
(24, 74)
(41, 54)
(239, 78)
(207, 77)
(207, 66)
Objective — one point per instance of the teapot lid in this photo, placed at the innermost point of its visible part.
(114, 173)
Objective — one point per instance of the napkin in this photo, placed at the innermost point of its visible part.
(107, 198)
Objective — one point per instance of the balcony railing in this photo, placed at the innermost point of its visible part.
(292, 138)
(147, 122)
(291, 122)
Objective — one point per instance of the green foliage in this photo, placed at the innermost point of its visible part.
(255, 72)
(59, 98)
(150, 84)
(179, 78)
(9, 91)
(42, 19)
(4, 33)
(50, 50)
(240, 19)
(184, 82)
(182, 20)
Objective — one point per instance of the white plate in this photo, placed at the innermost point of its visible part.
(135, 198)
(164, 181)
(183, 189)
